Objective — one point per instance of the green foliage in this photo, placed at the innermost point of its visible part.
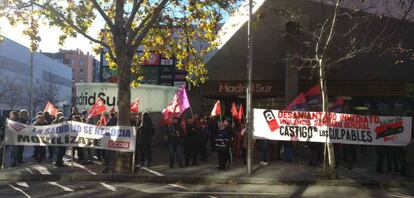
(186, 29)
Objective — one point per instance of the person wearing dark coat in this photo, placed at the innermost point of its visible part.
(110, 155)
(175, 138)
(223, 146)
(49, 121)
(146, 131)
(40, 150)
(190, 143)
(61, 150)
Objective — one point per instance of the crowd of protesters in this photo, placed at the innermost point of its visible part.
(189, 142)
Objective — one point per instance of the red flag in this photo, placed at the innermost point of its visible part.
(134, 106)
(102, 121)
(314, 95)
(241, 113)
(97, 108)
(299, 104)
(216, 110)
(112, 110)
(338, 106)
(234, 112)
(51, 109)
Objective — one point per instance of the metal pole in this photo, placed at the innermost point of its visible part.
(249, 114)
(31, 85)
(3, 160)
(133, 163)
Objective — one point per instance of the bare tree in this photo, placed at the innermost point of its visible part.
(45, 91)
(346, 29)
(13, 95)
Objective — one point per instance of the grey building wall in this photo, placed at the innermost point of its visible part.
(52, 80)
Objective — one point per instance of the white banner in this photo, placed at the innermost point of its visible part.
(71, 133)
(152, 98)
(343, 128)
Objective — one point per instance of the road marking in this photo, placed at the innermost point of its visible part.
(23, 184)
(82, 167)
(43, 170)
(179, 186)
(152, 171)
(20, 190)
(109, 187)
(30, 171)
(208, 193)
(62, 187)
(398, 195)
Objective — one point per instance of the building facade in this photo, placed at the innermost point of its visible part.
(370, 83)
(52, 80)
(84, 66)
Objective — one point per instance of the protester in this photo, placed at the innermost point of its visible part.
(110, 155)
(40, 150)
(74, 113)
(100, 153)
(49, 120)
(14, 116)
(223, 144)
(88, 152)
(190, 143)
(288, 151)
(138, 123)
(24, 119)
(244, 136)
(146, 132)
(79, 150)
(61, 149)
(213, 126)
(205, 135)
(175, 138)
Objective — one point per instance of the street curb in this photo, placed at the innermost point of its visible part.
(201, 180)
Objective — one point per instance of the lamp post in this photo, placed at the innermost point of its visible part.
(31, 85)
(249, 90)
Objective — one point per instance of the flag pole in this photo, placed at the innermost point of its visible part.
(3, 155)
(133, 162)
(249, 90)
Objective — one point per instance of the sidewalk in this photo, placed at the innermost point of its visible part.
(277, 172)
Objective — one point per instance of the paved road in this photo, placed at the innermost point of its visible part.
(124, 190)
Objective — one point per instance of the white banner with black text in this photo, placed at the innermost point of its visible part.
(333, 127)
(71, 133)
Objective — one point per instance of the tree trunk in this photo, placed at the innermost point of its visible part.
(328, 146)
(124, 159)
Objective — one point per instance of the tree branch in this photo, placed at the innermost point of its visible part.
(103, 14)
(76, 28)
(135, 7)
(140, 34)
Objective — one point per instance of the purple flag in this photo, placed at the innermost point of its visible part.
(183, 99)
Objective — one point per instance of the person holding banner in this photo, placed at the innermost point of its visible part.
(40, 150)
(24, 119)
(61, 149)
(14, 116)
(49, 119)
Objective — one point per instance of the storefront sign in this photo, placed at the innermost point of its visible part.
(153, 98)
(73, 134)
(333, 127)
(241, 88)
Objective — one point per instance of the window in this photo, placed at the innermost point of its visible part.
(81, 70)
(81, 62)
